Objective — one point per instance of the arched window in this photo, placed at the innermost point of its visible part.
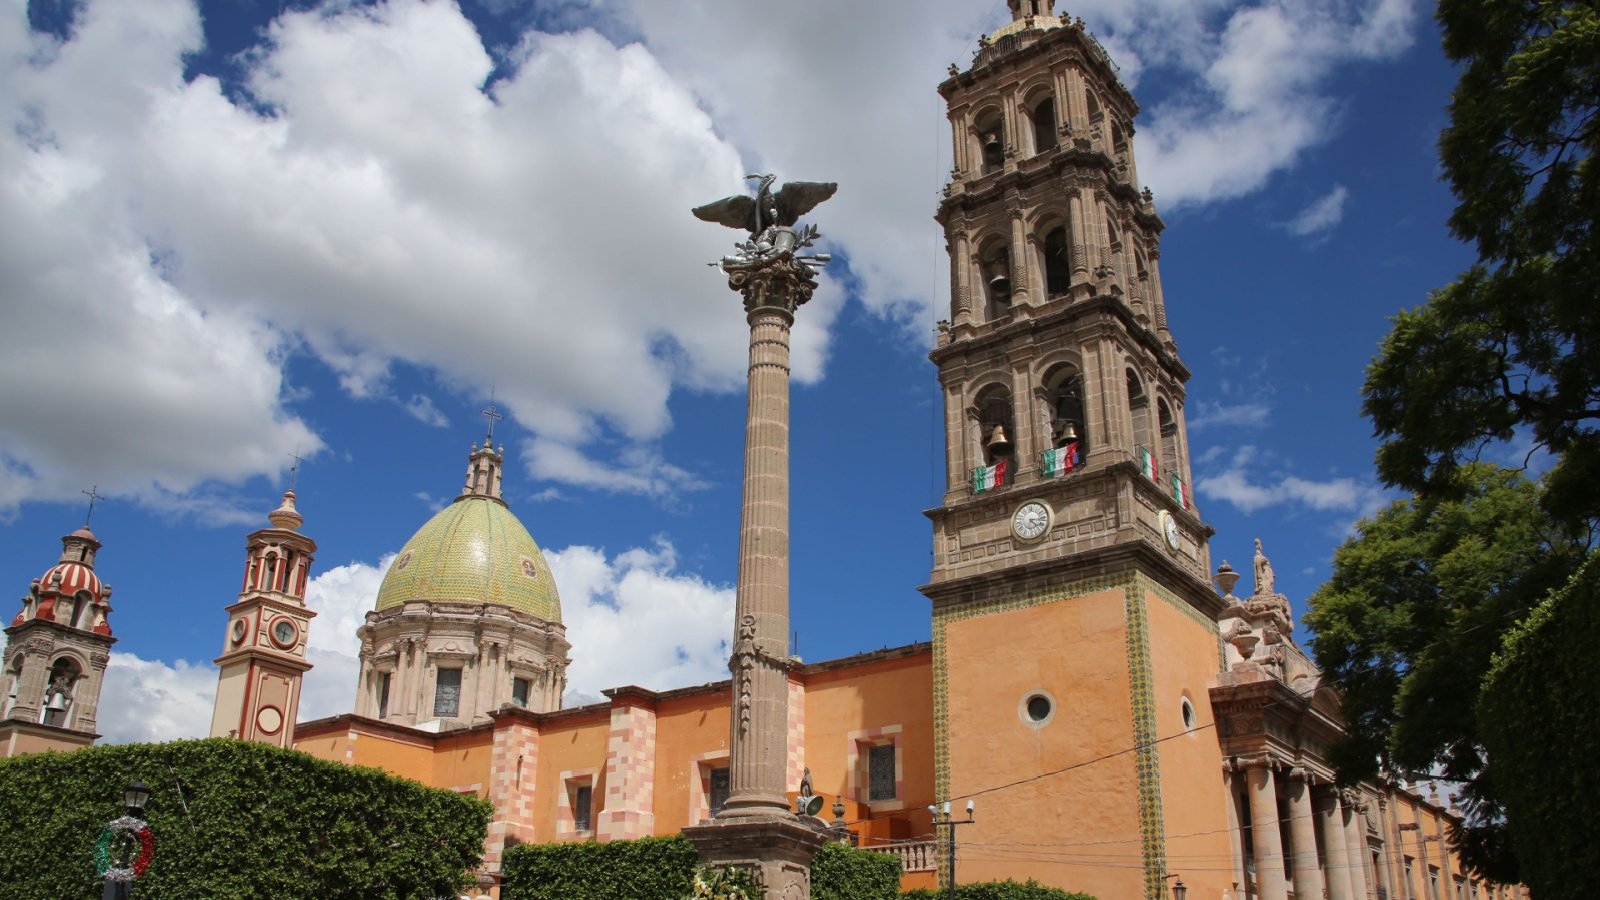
(1043, 115)
(1119, 143)
(997, 430)
(1094, 107)
(1169, 438)
(1139, 408)
(990, 130)
(57, 707)
(1064, 393)
(1057, 261)
(995, 270)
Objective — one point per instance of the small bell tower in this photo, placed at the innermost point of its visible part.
(57, 649)
(264, 653)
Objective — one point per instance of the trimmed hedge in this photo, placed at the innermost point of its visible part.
(261, 822)
(662, 868)
(655, 868)
(999, 890)
(1537, 715)
(845, 873)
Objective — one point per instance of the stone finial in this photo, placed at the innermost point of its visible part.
(1226, 578)
(286, 516)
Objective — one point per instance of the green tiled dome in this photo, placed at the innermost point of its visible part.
(473, 551)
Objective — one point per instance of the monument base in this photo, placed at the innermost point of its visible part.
(777, 851)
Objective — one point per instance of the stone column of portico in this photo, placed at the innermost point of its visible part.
(1331, 816)
(755, 829)
(1303, 836)
(1271, 883)
(1355, 845)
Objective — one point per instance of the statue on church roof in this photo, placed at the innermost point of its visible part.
(1266, 580)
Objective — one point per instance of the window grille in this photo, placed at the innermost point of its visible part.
(880, 771)
(719, 789)
(447, 694)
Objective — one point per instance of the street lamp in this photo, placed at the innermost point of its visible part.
(126, 845)
(1180, 891)
(134, 797)
(941, 819)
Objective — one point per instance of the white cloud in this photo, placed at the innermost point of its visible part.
(638, 470)
(144, 700)
(634, 619)
(341, 597)
(1251, 484)
(421, 408)
(388, 210)
(1209, 414)
(1321, 216)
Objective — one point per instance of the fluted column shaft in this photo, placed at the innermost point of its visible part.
(758, 753)
(1330, 813)
(1303, 835)
(1271, 884)
(1355, 848)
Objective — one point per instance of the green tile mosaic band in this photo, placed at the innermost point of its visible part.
(1147, 754)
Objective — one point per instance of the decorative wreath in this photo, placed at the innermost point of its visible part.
(139, 830)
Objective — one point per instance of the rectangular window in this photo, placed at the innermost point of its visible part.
(519, 691)
(447, 694)
(383, 695)
(880, 773)
(581, 799)
(719, 789)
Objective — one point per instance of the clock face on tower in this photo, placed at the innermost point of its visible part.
(1031, 520)
(284, 633)
(1169, 529)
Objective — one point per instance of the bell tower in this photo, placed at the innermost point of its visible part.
(264, 653)
(57, 650)
(1072, 613)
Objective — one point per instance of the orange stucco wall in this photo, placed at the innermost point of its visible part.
(686, 729)
(569, 745)
(1184, 662)
(1055, 828)
(842, 703)
(461, 762)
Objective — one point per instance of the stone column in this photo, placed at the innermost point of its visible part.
(1303, 836)
(1331, 816)
(1019, 259)
(1270, 881)
(961, 272)
(756, 830)
(1355, 845)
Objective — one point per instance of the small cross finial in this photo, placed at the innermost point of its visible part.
(93, 493)
(492, 414)
(294, 470)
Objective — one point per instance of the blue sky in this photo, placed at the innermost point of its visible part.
(237, 230)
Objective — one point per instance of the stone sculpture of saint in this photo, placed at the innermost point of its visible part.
(1266, 580)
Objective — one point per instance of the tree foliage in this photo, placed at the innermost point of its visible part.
(1513, 346)
(260, 822)
(1538, 713)
(645, 869)
(1408, 624)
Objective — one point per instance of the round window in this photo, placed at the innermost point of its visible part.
(239, 629)
(1037, 709)
(1188, 714)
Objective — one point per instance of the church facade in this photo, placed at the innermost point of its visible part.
(1121, 719)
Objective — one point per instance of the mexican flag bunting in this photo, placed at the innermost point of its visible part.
(1180, 491)
(987, 478)
(1059, 461)
(1147, 463)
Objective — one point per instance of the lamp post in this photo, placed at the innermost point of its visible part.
(941, 819)
(1179, 890)
(126, 845)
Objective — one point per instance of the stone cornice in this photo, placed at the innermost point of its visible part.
(1057, 313)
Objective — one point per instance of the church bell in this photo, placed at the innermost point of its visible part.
(997, 273)
(998, 443)
(1067, 434)
(57, 703)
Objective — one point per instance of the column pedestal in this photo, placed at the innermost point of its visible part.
(776, 851)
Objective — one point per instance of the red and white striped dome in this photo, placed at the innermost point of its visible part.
(75, 577)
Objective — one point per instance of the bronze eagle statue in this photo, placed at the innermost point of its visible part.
(767, 209)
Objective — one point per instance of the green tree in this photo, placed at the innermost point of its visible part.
(1513, 346)
(1410, 621)
(1541, 693)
